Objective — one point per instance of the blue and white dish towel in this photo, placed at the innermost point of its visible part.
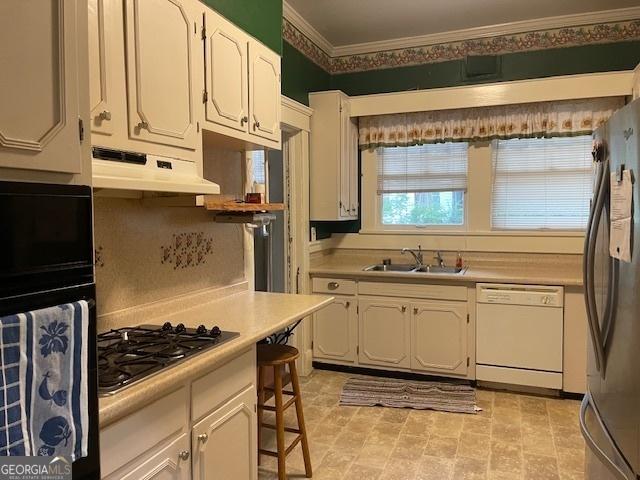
(43, 382)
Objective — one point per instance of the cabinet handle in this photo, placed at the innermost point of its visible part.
(332, 285)
(347, 304)
(104, 115)
(142, 125)
(203, 437)
(244, 120)
(184, 455)
(404, 308)
(256, 124)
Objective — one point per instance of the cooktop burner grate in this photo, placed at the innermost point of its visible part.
(126, 355)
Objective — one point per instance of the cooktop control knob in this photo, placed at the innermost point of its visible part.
(167, 326)
(180, 328)
(215, 331)
(201, 329)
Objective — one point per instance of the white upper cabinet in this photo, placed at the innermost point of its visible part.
(264, 88)
(161, 46)
(226, 64)
(100, 66)
(242, 86)
(40, 106)
(334, 158)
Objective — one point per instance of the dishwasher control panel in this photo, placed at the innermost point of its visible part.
(512, 294)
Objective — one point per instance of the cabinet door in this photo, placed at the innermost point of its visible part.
(172, 462)
(39, 110)
(264, 92)
(335, 330)
(354, 178)
(384, 332)
(100, 66)
(344, 159)
(161, 45)
(226, 48)
(225, 443)
(439, 337)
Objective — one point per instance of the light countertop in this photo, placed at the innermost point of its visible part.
(525, 273)
(255, 315)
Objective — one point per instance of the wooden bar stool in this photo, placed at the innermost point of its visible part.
(276, 357)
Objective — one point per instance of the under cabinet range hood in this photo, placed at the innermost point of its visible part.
(120, 170)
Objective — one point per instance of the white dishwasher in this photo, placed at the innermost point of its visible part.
(519, 333)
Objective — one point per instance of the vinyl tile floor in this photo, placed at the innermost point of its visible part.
(514, 437)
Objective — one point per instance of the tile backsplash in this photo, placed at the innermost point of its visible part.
(147, 253)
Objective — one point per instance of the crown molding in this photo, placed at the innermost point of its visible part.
(511, 28)
(292, 15)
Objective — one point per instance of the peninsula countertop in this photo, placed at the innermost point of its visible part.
(524, 273)
(255, 315)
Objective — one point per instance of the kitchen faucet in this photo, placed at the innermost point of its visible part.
(438, 257)
(417, 254)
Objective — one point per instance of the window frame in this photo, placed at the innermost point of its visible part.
(542, 230)
(478, 199)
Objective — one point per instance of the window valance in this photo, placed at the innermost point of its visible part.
(527, 120)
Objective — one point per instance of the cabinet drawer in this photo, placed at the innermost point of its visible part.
(137, 433)
(338, 286)
(215, 388)
(413, 290)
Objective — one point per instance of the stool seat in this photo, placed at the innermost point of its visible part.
(276, 358)
(276, 354)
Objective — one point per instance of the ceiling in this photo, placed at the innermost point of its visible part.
(347, 22)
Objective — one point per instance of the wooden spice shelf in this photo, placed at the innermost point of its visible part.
(216, 204)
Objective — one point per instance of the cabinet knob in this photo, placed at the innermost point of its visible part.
(415, 310)
(203, 437)
(256, 124)
(347, 304)
(332, 285)
(244, 120)
(404, 308)
(184, 455)
(142, 125)
(104, 115)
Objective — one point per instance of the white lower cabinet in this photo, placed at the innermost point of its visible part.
(224, 443)
(384, 332)
(205, 430)
(439, 337)
(335, 331)
(170, 463)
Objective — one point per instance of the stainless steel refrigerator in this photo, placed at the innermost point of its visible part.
(610, 412)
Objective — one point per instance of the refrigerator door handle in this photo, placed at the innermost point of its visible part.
(593, 446)
(588, 266)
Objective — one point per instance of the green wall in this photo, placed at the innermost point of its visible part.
(301, 76)
(513, 66)
(260, 18)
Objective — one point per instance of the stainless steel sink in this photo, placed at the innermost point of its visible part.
(414, 269)
(438, 269)
(390, 268)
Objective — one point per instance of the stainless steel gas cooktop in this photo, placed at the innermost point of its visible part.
(127, 355)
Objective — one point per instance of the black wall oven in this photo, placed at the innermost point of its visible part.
(46, 259)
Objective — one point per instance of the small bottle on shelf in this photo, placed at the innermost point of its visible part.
(459, 260)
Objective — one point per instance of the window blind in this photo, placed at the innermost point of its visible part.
(541, 183)
(423, 168)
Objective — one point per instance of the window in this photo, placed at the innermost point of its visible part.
(541, 183)
(257, 158)
(422, 185)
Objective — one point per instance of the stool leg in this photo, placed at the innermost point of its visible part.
(301, 426)
(260, 410)
(277, 377)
